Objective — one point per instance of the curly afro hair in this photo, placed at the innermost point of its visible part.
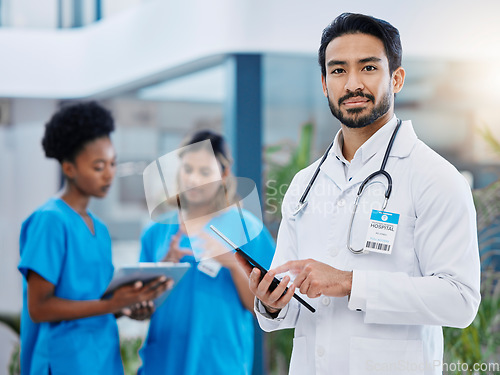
(72, 127)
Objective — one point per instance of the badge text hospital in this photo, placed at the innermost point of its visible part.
(381, 232)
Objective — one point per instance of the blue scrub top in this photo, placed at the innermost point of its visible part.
(56, 243)
(202, 327)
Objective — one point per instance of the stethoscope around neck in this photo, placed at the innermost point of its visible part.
(303, 199)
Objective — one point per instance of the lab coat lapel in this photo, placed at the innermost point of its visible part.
(372, 165)
(334, 169)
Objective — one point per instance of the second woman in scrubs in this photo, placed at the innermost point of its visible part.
(206, 325)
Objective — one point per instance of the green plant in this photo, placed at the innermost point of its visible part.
(15, 361)
(283, 161)
(487, 200)
(14, 322)
(490, 139)
(129, 349)
(279, 349)
(479, 342)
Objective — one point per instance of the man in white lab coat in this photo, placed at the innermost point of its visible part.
(380, 311)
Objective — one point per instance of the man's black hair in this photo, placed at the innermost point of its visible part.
(352, 23)
(72, 127)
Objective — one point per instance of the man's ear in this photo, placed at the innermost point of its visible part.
(398, 79)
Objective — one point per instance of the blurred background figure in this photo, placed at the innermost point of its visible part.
(66, 256)
(206, 324)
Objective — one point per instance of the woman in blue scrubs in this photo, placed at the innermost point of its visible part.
(205, 326)
(66, 257)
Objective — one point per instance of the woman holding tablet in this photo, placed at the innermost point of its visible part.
(66, 257)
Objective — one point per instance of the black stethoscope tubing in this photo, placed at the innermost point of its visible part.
(382, 167)
(315, 175)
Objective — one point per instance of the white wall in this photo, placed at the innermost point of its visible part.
(27, 180)
(29, 13)
(158, 35)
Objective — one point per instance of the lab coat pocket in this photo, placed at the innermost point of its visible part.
(298, 362)
(377, 356)
(403, 254)
(404, 235)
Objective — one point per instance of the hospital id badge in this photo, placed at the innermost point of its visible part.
(210, 267)
(381, 232)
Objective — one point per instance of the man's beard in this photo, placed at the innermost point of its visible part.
(360, 121)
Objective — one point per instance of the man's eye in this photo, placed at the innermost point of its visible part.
(369, 68)
(338, 71)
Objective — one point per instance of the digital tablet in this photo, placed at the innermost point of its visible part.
(263, 271)
(147, 272)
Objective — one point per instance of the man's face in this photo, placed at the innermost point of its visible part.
(358, 85)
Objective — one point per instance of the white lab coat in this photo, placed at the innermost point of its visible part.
(430, 280)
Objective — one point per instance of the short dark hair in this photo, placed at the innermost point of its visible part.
(219, 145)
(228, 194)
(72, 127)
(352, 23)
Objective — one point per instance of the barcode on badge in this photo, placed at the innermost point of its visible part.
(378, 246)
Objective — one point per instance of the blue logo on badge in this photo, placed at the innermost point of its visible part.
(386, 217)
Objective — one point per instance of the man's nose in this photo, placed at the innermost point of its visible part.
(354, 82)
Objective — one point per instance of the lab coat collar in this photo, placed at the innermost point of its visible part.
(405, 140)
(377, 141)
(338, 143)
(371, 152)
(334, 163)
(377, 144)
(334, 169)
